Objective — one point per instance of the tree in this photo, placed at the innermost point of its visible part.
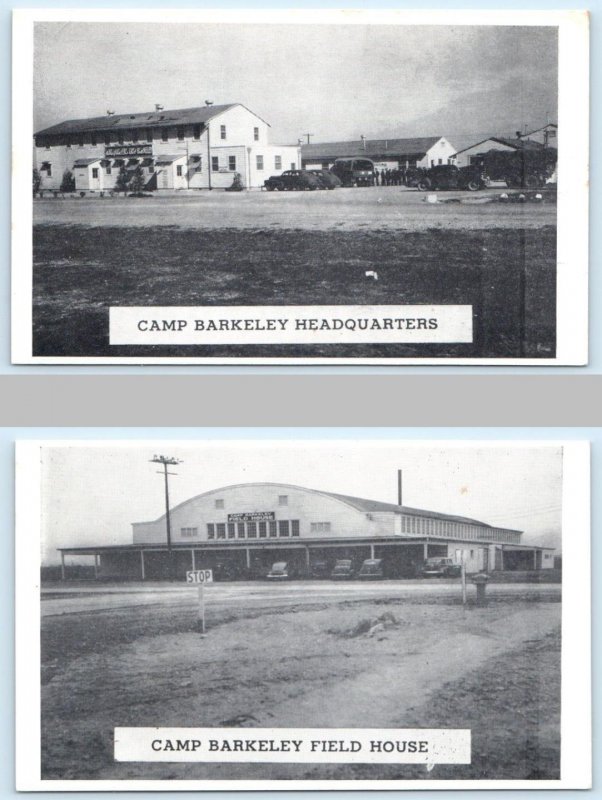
(137, 181)
(123, 180)
(68, 182)
(36, 181)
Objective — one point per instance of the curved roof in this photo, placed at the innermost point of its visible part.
(359, 503)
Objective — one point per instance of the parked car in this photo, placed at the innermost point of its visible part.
(279, 571)
(354, 171)
(343, 569)
(440, 568)
(448, 176)
(328, 180)
(319, 569)
(371, 569)
(292, 180)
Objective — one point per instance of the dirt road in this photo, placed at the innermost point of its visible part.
(382, 208)
(296, 665)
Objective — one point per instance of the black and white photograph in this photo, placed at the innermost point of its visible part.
(303, 187)
(302, 614)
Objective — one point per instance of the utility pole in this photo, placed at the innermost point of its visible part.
(309, 135)
(166, 461)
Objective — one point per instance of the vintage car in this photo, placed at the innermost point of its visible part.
(354, 171)
(319, 569)
(343, 569)
(292, 180)
(328, 180)
(448, 176)
(279, 571)
(371, 569)
(439, 567)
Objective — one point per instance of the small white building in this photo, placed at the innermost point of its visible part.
(193, 148)
(471, 154)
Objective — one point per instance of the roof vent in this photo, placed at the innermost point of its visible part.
(158, 107)
(110, 113)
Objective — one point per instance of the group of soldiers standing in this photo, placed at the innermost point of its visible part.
(390, 177)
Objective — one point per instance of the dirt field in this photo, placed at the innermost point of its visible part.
(427, 663)
(88, 257)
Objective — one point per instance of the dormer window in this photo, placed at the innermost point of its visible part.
(282, 499)
(219, 503)
(222, 131)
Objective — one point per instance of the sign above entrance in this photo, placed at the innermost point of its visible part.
(129, 150)
(253, 516)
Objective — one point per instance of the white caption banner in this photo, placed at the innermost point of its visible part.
(240, 325)
(295, 745)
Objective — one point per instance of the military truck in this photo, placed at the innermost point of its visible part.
(519, 169)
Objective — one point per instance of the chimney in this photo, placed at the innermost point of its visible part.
(399, 484)
(158, 107)
(110, 113)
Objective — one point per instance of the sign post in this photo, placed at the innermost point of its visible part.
(200, 577)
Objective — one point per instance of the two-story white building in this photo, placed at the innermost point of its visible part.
(240, 530)
(192, 148)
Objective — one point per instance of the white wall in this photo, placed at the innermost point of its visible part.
(440, 152)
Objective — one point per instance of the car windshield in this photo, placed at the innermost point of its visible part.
(280, 566)
(363, 164)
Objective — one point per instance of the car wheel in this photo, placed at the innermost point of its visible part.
(424, 186)
(330, 188)
(473, 186)
(531, 182)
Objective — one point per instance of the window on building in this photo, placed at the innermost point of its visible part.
(188, 533)
(149, 135)
(283, 528)
(93, 140)
(180, 131)
(94, 173)
(277, 162)
(231, 530)
(179, 170)
(68, 142)
(196, 132)
(263, 530)
(47, 168)
(108, 169)
(232, 163)
(219, 503)
(210, 530)
(293, 165)
(165, 134)
(259, 162)
(319, 527)
(440, 161)
(214, 163)
(432, 162)
(221, 530)
(240, 529)
(135, 135)
(222, 131)
(294, 527)
(252, 530)
(256, 134)
(80, 141)
(120, 137)
(151, 169)
(282, 499)
(107, 138)
(273, 528)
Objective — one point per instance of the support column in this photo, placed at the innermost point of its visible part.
(535, 559)
(95, 566)
(142, 565)
(307, 559)
(372, 552)
(502, 559)
(248, 557)
(425, 550)
(193, 560)
(62, 566)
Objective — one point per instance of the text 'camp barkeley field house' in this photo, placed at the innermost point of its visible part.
(241, 530)
(191, 148)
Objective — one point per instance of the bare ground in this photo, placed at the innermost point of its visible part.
(494, 670)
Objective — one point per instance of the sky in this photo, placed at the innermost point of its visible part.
(91, 493)
(335, 82)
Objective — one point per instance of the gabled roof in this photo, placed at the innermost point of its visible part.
(370, 148)
(146, 119)
(359, 503)
(516, 144)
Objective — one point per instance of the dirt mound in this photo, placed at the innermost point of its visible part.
(369, 627)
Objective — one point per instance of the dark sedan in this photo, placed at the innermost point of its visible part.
(292, 180)
(328, 180)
